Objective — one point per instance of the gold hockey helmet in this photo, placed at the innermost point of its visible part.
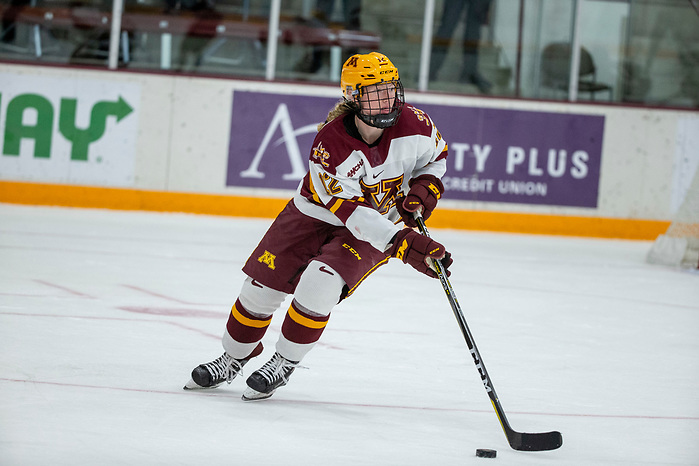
(359, 73)
(363, 70)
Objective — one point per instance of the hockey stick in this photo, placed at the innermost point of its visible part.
(518, 440)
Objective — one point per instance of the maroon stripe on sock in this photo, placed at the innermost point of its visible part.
(301, 328)
(243, 327)
(256, 352)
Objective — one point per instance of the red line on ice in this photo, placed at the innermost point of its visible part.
(73, 292)
(158, 295)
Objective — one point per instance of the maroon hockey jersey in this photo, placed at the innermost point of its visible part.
(355, 184)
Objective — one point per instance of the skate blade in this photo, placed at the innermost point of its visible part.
(253, 395)
(192, 385)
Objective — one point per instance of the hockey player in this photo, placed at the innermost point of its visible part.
(374, 162)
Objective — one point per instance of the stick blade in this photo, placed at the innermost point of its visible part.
(535, 442)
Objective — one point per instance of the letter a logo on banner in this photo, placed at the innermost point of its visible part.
(283, 120)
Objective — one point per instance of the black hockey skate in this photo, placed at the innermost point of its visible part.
(214, 373)
(264, 382)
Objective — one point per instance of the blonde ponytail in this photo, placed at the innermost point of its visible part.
(342, 107)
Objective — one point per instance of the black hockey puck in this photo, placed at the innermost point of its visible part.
(484, 453)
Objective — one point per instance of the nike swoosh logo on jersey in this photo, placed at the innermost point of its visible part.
(323, 269)
(378, 174)
(255, 283)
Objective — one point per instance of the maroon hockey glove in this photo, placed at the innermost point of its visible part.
(425, 191)
(413, 248)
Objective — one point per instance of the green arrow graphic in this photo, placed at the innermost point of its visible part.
(82, 138)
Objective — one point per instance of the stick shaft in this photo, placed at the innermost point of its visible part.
(473, 349)
(522, 441)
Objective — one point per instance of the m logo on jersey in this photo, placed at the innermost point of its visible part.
(382, 195)
(268, 259)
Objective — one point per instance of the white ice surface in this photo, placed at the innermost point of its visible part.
(103, 314)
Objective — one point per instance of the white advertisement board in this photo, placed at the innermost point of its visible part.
(75, 131)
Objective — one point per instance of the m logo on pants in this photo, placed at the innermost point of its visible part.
(267, 258)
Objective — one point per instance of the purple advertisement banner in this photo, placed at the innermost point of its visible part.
(495, 155)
